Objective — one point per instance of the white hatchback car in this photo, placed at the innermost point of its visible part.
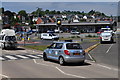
(106, 37)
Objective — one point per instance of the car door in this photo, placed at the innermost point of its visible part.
(50, 51)
(57, 50)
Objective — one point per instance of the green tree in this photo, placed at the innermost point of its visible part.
(22, 13)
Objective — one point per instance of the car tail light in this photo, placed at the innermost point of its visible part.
(66, 52)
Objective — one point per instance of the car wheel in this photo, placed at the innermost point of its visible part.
(61, 61)
(45, 57)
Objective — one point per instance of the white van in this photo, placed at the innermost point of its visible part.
(106, 37)
(8, 39)
(49, 36)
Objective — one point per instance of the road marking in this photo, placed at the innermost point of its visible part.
(21, 56)
(11, 57)
(32, 56)
(69, 74)
(4, 76)
(109, 48)
(104, 66)
(2, 58)
(58, 69)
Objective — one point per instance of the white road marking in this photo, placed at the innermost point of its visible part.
(109, 48)
(32, 56)
(11, 57)
(2, 58)
(69, 74)
(4, 76)
(104, 66)
(58, 69)
(21, 56)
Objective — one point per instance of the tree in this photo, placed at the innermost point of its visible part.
(91, 12)
(22, 13)
(47, 11)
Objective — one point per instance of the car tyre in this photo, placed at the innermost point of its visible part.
(82, 62)
(45, 57)
(61, 61)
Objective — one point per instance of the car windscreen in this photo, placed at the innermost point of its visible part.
(105, 34)
(10, 38)
(73, 46)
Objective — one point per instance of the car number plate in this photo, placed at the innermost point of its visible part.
(76, 53)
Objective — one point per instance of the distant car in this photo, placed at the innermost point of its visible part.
(49, 36)
(65, 52)
(106, 37)
(31, 31)
(75, 21)
(57, 31)
(50, 31)
(74, 32)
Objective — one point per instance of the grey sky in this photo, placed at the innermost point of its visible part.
(109, 8)
(60, 0)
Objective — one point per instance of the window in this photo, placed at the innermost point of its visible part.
(73, 46)
(52, 45)
(58, 45)
(44, 34)
(10, 38)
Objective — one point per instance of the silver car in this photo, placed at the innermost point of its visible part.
(65, 52)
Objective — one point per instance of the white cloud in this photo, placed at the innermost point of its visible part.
(60, 0)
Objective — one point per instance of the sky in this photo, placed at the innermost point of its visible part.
(109, 8)
(60, 0)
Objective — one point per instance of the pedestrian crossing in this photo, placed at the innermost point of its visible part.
(9, 57)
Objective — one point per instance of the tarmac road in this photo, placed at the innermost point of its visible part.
(27, 63)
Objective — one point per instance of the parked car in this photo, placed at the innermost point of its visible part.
(65, 52)
(49, 36)
(106, 37)
(74, 32)
(57, 31)
(50, 31)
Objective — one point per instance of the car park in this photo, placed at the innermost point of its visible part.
(50, 36)
(74, 32)
(106, 37)
(65, 52)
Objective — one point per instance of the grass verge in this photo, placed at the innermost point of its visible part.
(37, 47)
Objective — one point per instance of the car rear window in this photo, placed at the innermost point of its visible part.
(73, 46)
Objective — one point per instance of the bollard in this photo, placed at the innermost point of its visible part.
(23, 39)
(28, 38)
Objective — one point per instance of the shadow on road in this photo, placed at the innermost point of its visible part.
(71, 64)
(16, 49)
(109, 42)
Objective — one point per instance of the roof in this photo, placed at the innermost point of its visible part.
(73, 24)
